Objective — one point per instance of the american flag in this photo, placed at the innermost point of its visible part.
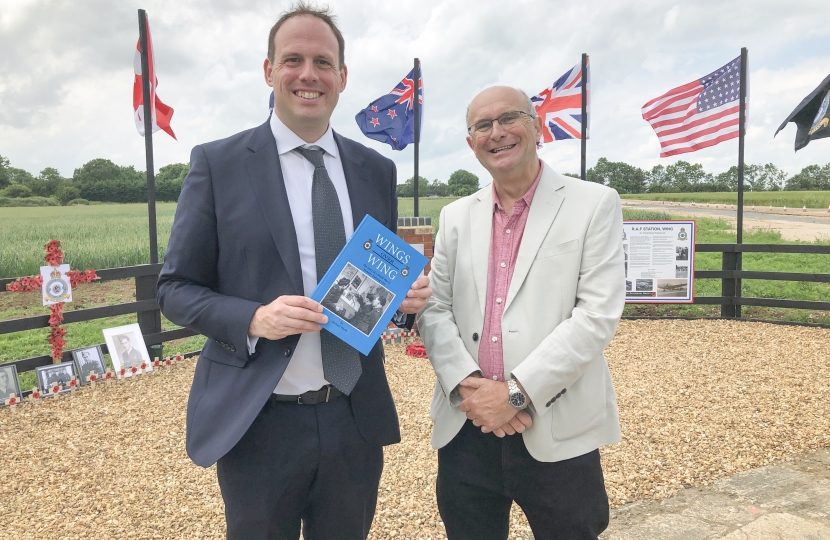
(697, 115)
(560, 106)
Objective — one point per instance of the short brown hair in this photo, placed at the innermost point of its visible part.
(323, 13)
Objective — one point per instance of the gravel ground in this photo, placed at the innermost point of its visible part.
(699, 400)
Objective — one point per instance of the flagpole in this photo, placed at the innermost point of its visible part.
(148, 135)
(584, 111)
(741, 130)
(417, 105)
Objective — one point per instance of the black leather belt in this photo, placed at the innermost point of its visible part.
(312, 397)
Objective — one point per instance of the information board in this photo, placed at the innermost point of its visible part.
(659, 262)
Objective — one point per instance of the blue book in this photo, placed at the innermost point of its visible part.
(366, 283)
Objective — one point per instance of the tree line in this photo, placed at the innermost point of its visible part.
(101, 180)
(684, 177)
(98, 180)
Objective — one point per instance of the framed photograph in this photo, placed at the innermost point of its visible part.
(9, 384)
(127, 348)
(88, 360)
(57, 373)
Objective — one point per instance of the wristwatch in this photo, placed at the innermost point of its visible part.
(517, 398)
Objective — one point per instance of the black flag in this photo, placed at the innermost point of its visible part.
(812, 116)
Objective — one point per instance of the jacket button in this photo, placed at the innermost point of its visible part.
(287, 352)
(233, 349)
(475, 337)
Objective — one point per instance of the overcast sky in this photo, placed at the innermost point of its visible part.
(66, 72)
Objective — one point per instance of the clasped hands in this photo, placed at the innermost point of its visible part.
(288, 315)
(487, 404)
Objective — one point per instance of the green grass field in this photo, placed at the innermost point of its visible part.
(96, 237)
(109, 236)
(790, 199)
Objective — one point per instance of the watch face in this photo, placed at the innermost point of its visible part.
(517, 399)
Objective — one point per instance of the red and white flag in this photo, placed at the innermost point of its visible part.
(699, 114)
(161, 113)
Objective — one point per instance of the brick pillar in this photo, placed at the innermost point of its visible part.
(421, 234)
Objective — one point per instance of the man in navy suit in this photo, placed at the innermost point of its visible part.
(296, 422)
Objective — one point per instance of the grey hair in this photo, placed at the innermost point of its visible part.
(531, 110)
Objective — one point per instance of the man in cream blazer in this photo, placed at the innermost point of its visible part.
(519, 413)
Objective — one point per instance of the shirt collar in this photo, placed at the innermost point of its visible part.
(287, 140)
(528, 196)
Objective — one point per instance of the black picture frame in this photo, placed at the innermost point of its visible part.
(10, 372)
(43, 379)
(80, 362)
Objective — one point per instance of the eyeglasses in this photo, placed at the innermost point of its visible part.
(484, 127)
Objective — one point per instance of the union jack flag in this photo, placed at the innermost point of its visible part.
(560, 106)
(391, 118)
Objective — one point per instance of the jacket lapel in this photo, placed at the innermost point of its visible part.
(363, 199)
(481, 228)
(543, 210)
(265, 174)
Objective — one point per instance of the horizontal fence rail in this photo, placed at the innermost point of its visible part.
(145, 307)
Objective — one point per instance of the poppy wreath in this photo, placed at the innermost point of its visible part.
(54, 257)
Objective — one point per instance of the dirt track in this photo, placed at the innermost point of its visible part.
(793, 224)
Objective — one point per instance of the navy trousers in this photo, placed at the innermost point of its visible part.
(480, 475)
(301, 464)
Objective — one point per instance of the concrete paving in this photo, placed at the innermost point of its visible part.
(787, 501)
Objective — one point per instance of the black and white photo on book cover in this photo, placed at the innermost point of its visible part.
(357, 299)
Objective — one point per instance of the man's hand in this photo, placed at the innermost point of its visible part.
(488, 407)
(416, 298)
(285, 316)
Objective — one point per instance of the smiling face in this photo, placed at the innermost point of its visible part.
(306, 75)
(504, 151)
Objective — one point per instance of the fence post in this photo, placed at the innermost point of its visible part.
(729, 286)
(149, 321)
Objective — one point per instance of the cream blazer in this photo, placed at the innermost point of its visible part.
(562, 310)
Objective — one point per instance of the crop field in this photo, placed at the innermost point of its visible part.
(96, 237)
(790, 199)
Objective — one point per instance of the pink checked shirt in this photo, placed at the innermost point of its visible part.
(505, 240)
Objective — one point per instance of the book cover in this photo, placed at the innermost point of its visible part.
(366, 284)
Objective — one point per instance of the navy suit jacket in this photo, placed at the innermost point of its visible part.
(232, 249)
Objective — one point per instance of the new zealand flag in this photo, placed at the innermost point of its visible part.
(391, 118)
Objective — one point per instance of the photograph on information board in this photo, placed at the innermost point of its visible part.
(659, 261)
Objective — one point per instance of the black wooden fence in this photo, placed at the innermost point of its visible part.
(149, 315)
(145, 306)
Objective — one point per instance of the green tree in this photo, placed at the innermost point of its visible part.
(809, 178)
(47, 183)
(17, 191)
(4, 172)
(439, 189)
(774, 178)
(657, 180)
(103, 170)
(685, 177)
(462, 183)
(173, 172)
(617, 175)
(67, 193)
(407, 189)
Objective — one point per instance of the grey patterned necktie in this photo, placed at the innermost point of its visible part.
(341, 363)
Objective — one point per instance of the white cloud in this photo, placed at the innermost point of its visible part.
(66, 83)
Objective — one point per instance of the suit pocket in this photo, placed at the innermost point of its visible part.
(558, 249)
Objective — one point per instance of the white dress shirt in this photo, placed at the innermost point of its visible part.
(305, 369)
